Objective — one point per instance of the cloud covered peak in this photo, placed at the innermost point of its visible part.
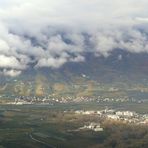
(49, 33)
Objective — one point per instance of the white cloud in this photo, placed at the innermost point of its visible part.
(10, 62)
(53, 32)
(51, 62)
(78, 58)
(11, 73)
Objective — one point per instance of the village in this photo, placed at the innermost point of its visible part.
(21, 100)
(125, 116)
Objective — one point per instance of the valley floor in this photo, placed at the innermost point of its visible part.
(62, 126)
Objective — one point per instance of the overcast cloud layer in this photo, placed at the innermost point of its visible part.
(49, 33)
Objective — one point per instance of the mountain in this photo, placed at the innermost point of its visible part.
(104, 69)
(120, 69)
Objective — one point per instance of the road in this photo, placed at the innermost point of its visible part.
(42, 142)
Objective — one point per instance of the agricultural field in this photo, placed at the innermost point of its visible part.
(40, 126)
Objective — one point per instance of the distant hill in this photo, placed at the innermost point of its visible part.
(120, 65)
(120, 68)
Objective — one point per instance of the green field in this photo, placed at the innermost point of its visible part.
(44, 126)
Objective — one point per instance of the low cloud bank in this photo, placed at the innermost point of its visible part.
(49, 33)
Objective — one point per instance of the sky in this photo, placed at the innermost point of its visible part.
(49, 33)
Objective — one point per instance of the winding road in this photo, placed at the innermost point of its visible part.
(42, 142)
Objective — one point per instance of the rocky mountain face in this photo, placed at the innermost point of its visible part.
(118, 69)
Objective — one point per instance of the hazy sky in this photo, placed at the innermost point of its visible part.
(53, 32)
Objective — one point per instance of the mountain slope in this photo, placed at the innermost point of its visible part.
(119, 69)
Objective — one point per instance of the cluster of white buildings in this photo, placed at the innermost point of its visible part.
(47, 100)
(125, 116)
(92, 126)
